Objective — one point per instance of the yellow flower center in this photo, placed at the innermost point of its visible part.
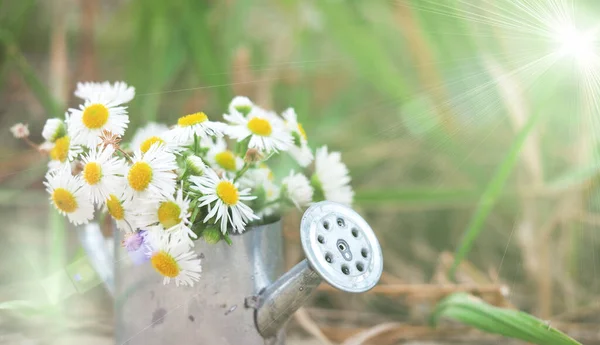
(115, 208)
(168, 214)
(226, 160)
(260, 126)
(192, 119)
(60, 151)
(95, 116)
(165, 264)
(64, 200)
(92, 173)
(302, 132)
(139, 176)
(228, 193)
(145, 146)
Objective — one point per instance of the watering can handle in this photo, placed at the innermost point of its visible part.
(100, 252)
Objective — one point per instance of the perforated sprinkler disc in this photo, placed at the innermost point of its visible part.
(341, 247)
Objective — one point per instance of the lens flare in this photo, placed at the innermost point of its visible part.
(577, 44)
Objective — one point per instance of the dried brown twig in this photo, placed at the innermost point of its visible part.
(427, 289)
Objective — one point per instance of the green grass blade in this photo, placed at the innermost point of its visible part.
(350, 31)
(492, 192)
(27, 72)
(416, 197)
(474, 312)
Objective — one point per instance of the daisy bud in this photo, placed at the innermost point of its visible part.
(195, 165)
(211, 235)
(54, 129)
(241, 104)
(253, 156)
(20, 131)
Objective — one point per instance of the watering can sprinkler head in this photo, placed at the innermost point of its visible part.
(340, 248)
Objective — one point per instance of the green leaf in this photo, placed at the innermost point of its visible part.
(491, 193)
(474, 312)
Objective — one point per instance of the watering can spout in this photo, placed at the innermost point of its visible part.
(340, 248)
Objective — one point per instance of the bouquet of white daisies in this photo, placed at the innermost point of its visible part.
(172, 185)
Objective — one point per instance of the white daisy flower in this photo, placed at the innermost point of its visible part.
(195, 165)
(150, 134)
(241, 105)
(171, 218)
(266, 130)
(220, 157)
(299, 150)
(61, 152)
(123, 211)
(256, 177)
(174, 261)
(152, 174)
(103, 172)
(69, 195)
(224, 201)
(54, 129)
(117, 93)
(87, 123)
(194, 124)
(271, 197)
(297, 189)
(261, 181)
(330, 179)
(20, 130)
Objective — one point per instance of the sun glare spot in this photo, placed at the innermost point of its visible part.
(578, 44)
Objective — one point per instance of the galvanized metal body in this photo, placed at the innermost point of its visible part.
(281, 299)
(216, 310)
(213, 311)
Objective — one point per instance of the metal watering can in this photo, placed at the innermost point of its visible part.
(242, 297)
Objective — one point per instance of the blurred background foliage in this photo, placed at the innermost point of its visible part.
(472, 155)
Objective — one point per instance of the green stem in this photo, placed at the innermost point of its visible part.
(270, 203)
(227, 239)
(196, 144)
(241, 172)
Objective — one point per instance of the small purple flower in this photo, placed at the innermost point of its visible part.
(137, 246)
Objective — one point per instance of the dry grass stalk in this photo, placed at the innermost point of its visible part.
(242, 74)
(58, 51)
(425, 64)
(429, 290)
(404, 332)
(370, 333)
(87, 63)
(307, 323)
